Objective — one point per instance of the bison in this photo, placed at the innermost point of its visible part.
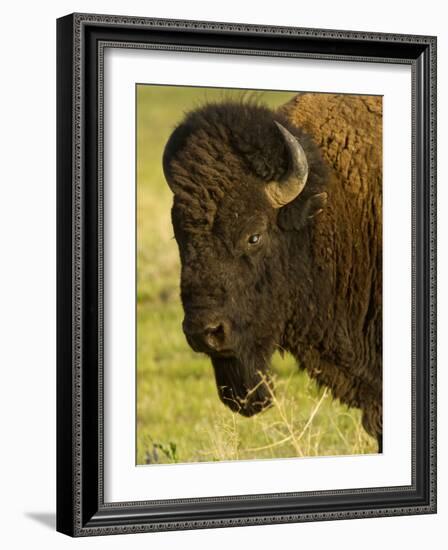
(278, 220)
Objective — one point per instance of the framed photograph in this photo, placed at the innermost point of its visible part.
(246, 274)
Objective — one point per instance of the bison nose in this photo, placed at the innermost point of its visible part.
(216, 335)
(207, 336)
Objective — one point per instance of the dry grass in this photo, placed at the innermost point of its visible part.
(286, 433)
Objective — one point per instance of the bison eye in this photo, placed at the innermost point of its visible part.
(254, 239)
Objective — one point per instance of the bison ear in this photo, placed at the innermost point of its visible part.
(298, 214)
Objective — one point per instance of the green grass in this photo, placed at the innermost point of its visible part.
(179, 415)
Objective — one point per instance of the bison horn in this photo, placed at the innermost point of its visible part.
(286, 190)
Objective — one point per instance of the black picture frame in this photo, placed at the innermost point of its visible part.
(81, 509)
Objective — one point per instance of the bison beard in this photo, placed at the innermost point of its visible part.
(244, 386)
(281, 243)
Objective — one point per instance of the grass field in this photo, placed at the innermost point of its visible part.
(179, 415)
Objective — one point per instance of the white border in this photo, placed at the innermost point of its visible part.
(123, 481)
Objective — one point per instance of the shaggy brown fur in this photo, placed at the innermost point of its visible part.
(348, 131)
(312, 283)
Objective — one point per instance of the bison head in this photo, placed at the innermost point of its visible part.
(244, 181)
